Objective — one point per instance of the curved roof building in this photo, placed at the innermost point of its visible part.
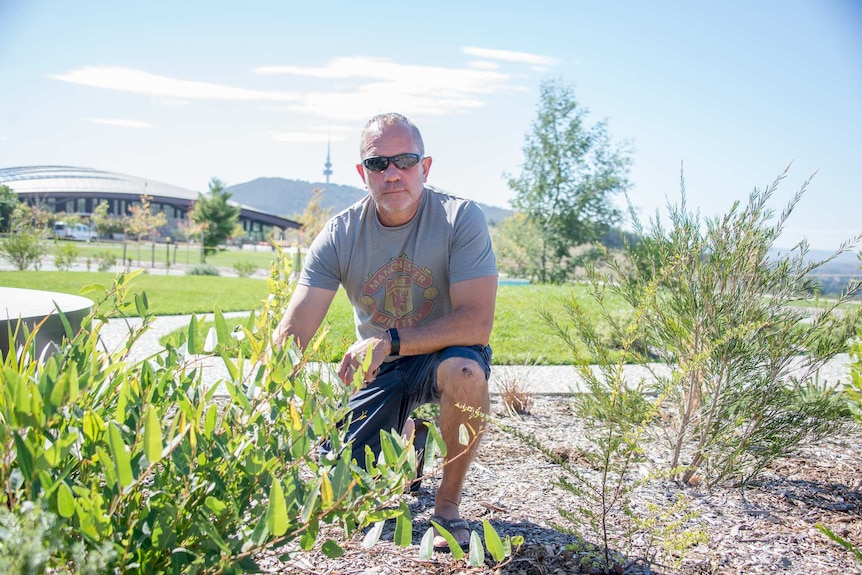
(79, 190)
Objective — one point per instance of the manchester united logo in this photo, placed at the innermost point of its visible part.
(396, 282)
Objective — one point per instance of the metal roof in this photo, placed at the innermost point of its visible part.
(69, 182)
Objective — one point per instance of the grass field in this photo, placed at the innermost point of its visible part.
(519, 334)
(148, 254)
(167, 295)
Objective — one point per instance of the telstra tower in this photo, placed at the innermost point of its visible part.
(327, 167)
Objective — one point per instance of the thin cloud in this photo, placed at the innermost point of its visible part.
(121, 123)
(140, 82)
(483, 65)
(384, 85)
(412, 79)
(365, 86)
(510, 56)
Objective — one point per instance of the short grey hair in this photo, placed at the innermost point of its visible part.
(381, 121)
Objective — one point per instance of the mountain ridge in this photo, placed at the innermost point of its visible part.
(288, 198)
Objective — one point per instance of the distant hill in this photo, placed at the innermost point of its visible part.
(288, 198)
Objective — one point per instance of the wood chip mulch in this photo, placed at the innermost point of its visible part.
(768, 527)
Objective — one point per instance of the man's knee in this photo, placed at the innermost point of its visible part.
(461, 374)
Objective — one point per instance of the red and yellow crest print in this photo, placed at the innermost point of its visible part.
(393, 286)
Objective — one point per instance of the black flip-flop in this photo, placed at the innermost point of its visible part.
(420, 436)
(451, 525)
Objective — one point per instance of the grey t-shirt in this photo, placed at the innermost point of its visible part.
(400, 276)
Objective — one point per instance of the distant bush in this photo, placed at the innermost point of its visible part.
(105, 260)
(24, 248)
(65, 256)
(244, 268)
(204, 270)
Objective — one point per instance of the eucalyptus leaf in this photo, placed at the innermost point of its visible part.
(276, 511)
(373, 535)
(477, 552)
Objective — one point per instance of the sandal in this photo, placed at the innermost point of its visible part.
(451, 525)
(420, 436)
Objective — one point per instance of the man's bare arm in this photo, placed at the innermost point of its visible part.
(469, 323)
(305, 313)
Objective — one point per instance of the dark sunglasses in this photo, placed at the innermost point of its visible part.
(401, 161)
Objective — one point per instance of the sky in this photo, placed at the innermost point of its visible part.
(722, 94)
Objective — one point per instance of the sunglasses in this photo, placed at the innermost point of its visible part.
(401, 161)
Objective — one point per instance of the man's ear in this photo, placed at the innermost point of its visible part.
(426, 167)
(361, 169)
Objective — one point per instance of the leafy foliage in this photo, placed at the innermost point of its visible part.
(313, 218)
(104, 223)
(853, 393)
(25, 245)
(570, 173)
(142, 222)
(141, 455)
(30, 538)
(215, 215)
(244, 268)
(8, 202)
(715, 305)
(203, 270)
(518, 247)
(65, 256)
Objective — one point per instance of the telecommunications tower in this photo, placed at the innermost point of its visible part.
(327, 171)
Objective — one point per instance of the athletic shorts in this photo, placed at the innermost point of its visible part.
(400, 387)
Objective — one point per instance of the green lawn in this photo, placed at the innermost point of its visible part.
(147, 254)
(519, 333)
(167, 295)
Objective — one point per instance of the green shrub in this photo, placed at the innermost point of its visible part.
(202, 270)
(714, 300)
(24, 248)
(65, 256)
(853, 395)
(31, 541)
(141, 456)
(105, 260)
(244, 268)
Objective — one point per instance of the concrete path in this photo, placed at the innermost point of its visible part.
(544, 380)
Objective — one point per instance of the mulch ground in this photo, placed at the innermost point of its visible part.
(768, 527)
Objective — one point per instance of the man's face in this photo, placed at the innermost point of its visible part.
(395, 192)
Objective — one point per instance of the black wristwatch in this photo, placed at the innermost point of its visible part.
(396, 341)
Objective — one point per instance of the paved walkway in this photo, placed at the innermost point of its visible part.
(544, 380)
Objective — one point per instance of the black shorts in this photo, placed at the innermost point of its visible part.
(400, 387)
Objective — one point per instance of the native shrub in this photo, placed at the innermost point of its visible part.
(244, 268)
(24, 248)
(203, 270)
(717, 301)
(853, 394)
(143, 457)
(65, 256)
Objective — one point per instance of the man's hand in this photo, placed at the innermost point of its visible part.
(378, 347)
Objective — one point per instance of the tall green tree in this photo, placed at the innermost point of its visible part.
(215, 215)
(8, 201)
(571, 172)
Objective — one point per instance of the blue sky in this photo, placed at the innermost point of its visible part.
(181, 92)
